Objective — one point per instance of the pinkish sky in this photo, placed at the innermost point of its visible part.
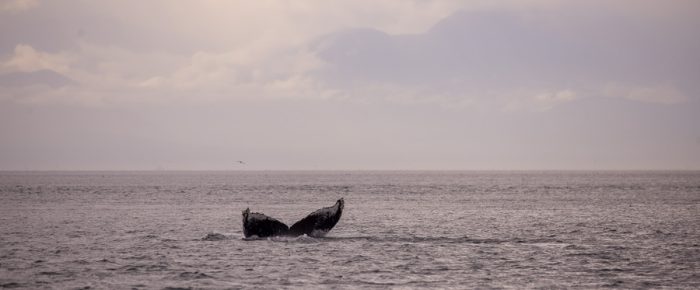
(495, 85)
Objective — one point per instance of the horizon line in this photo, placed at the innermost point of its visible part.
(349, 170)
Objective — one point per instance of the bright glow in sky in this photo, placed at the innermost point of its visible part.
(119, 85)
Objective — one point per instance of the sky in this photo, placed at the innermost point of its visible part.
(350, 85)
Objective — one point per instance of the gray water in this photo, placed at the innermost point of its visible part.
(399, 230)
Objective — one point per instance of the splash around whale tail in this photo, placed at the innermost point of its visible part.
(316, 224)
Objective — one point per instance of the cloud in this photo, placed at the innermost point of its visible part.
(15, 6)
(350, 84)
(537, 101)
(521, 60)
(41, 77)
(28, 59)
(102, 75)
(527, 55)
(659, 94)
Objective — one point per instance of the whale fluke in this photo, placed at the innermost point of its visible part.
(316, 224)
(320, 222)
(257, 224)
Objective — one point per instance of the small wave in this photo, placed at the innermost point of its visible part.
(11, 285)
(193, 275)
(575, 247)
(50, 273)
(411, 239)
(444, 240)
(596, 255)
(301, 239)
(144, 267)
(214, 237)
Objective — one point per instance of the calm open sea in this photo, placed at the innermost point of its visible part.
(399, 229)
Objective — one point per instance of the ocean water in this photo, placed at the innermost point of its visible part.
(156, 230)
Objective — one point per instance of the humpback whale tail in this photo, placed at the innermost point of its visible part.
(316, 224)
(257, 224)
(320, 222)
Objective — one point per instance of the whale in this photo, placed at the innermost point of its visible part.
(260, 225)
(319, 222)
(316, 224)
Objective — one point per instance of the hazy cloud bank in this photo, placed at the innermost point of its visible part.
(349, 85)
(534, 55)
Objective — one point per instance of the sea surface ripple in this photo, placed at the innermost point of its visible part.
(180, 230)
